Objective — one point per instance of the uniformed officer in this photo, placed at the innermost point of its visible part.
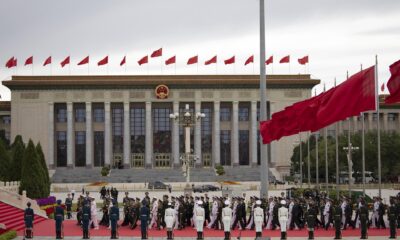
(392, 216)
(311, 220)
(86, 217)
(126, 203)
(258, 219)
(114, 217)
(200, 215)
(28, 218)
(59, 217)
(169, 220)
(226, 219)
(363, 219)
(68, 205)
(144, 218)
(283, 216)
(337, 221)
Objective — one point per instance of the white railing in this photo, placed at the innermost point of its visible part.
(20, 201)
(10, 186)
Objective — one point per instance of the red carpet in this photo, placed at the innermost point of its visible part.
(47, 228)
(13, 217)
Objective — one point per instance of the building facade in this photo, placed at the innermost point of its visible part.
(92, 121)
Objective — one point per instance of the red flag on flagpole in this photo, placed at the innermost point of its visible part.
(103, 61)
(269, 60)
(393, 83)
(230, 60)
(143, 60)
(48, 61)
(123, 61)
(12, 62)
(249, 60)
(285, 59)
(84, 61)
(29, 60)
(170, 60)
(211, 60)
(193, 60)
(303, 60)
(157, 53)
(65, 62)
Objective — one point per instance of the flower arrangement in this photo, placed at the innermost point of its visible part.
(46, 201)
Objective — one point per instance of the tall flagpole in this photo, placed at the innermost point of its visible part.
(349, 152)
(326, 154)
(316, 156)
(337, 156)
(363, 147)
(263, 106)
(308, 160)
(378, 127)
(301, 161)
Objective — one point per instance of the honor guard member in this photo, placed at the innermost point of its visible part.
(114, 217)
(392, 216)
(283, 216)
(200, 215)
(363, 219)
(28, 219)
(68, 205)
(126, 202)
(169, 220)
(337, 220)
(144, 218)
(311, 220)
(258, 219)
(59, 217)
(227, 219)
(86, 217)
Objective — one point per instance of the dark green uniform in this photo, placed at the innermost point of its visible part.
(114, 218)
(68, 205)
(364, 221)
(337, 221)
(59, 217)
(86, 216)
(392, 216)
(311, 221)
(28, 218)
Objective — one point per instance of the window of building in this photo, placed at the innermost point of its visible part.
(117, 115)
(391, 117)
(138, 129)
(206, 129)
(60, 112)
(80, 112)
(225, 114)
(374, 117)
(61, 148)
(162, 129)
(225, 142)
(244, 112)
(98, 154)
(80, 148)
(244, 147)
(7, 120)
(98, 113)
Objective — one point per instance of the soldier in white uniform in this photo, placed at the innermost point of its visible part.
(200, 215)
(154, 213)
(169, 220)
(283, 215)
(258, 219)
(227, 219)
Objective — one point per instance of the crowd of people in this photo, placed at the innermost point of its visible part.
(227, 213)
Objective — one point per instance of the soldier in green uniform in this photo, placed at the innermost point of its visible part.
(59, 217)
(392, 216)
(363, 219)
(86, 217)
(28, 218)
(126, 203)
(114, 217)
(68, 205)
(311, 220)
(337, 220)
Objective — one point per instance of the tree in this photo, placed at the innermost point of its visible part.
(4, 162)
(45, 170)
(32, 179)
(17, 154)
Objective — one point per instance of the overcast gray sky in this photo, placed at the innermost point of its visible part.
(338, 35)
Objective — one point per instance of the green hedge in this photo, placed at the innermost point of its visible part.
(8, 235)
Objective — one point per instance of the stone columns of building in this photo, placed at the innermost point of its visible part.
(70, 135)
(107, 134)
(253, 133)
(149, 138)
(235, 134)
(89, 136)
(216, 136)
(127, 136)
(385, 121)
(50, 137)
(175, 137)
(197, 135)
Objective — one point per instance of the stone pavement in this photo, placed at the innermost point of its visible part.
(211, 238)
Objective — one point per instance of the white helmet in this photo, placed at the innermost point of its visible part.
(283, 202)
(227, 202)
(258, 202)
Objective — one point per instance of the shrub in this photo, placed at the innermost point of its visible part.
(17, 154)
(219, 170)
(105, 171)
(45, 170)
(8, 235)
(4, 163)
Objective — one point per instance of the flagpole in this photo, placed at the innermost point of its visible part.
(337, 156)
(316, 155)
(308, 160)
(349, 147)
(363, 147)
(301, 161)
(378, 126)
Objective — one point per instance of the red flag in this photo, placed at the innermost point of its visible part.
(393, 83)
(84, 61)
(193, 60)
(303, 60)
(230, 60)
(249, 60)
(48, 61)
(269, 60)
(65, 62)
(29, 60)
(143, 60)
(157, 53)
(212, 60)
(123, 61)
(285, 59)
(383, 87)
(12, 62)
(171, 60)
(103, 61)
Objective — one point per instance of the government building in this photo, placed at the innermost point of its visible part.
(124, 121)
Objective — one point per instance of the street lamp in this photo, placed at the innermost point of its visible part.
(349, 150)
(187, 120)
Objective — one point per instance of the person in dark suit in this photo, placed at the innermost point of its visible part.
(114, 218)
(364, 219)
(206, 205)
(337, 220)
(86, 217)
(59, 217)
(144, 218)
(311, 220)
(381, 212)
(28, 218)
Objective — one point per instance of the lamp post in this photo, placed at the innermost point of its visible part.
(187, 120)
(349, 150)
